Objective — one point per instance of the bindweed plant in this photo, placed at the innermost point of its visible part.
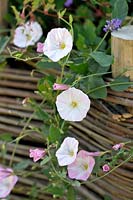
(82, 61)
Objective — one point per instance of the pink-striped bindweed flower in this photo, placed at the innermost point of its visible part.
(37, 154)
(106, 168)
(40, 46)
(7, 181)
(67, 152)
(118, 146)
(58, 86)
(82, 167)
(27, 34)
(72, 104)
(58, 44)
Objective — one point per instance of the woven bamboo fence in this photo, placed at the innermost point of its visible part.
(108, 122)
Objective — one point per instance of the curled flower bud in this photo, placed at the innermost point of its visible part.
(57, 86)
(118, 146)
(106, 168)
(40, 47)
(37, 154)
(112, 25)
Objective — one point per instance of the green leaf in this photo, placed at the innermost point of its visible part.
(43, 64)
(36, 4)
(95, 67)
(54, 134)
(39, 111)
(70, 19)
(89, 32)
(80, 43)
(94, 85)
(120, 9)
(118, 83)
(61, 14)
(3, 42)
(71, 194)
(45, 160)
(59, 4)
(80, 68)
(107, 197)
(22, 165)
(17, 15)
(6, 137)
(57, 191)
(101, 58)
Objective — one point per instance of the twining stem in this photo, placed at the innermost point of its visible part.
(108, 85)
(98, 178)
(19, 138)
(53, 167)
(90, 75)
(101, 41)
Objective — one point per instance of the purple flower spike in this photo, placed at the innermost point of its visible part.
(112, 25)
(68, 3)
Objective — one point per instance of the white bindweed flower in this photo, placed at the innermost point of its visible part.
(58, 44)
(67, 152)
(73, 104)
(27, 34)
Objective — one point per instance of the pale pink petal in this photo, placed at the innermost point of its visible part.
(118, 146)
(7, 181)
(58, 86)
(40, 47)
(106, 168)
(7, 184)
(67, 152)
(82, 167)
(37, 154)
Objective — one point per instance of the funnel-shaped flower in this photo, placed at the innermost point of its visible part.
(27, 34)
(58, 44)
(67, 152)
(73, 104)
(7, 181)
(82, 167)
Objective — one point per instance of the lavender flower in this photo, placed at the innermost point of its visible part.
(112, 25)
(68, 3)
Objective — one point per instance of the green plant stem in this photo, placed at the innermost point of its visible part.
(108, 85)
(101, 41)
(54, 169)
(98, 178)
(62, 72)
(90, 75)
(19, 138)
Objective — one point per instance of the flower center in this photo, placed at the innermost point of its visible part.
(74, 104)
(85, 166)
(71, 153)
(28, 36)
(62, 45)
